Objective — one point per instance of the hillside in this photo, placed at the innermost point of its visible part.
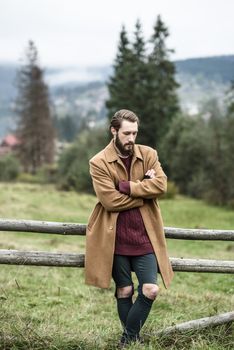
(81, 92)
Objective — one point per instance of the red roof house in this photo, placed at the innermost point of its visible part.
(9, 144)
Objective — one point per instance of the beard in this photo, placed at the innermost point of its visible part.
(125, 149)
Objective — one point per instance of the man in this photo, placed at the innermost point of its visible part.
(125, 229)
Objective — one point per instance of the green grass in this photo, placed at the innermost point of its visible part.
(51, 308)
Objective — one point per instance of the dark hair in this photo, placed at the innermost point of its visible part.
(123, 114)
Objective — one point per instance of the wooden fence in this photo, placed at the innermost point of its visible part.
(39, 258)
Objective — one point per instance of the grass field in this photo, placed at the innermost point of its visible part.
(51, 308)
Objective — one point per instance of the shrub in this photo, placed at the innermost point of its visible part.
(46, 174)
(28, 178)
(172, 191)
(9, 168)
(73, 165)
(184, 151)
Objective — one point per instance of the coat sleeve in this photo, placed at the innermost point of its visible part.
(108, 195)
(150, 188)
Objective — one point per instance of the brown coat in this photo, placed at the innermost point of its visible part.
(107, 170)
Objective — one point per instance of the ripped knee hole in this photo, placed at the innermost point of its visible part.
(125, 292)
(150, 291)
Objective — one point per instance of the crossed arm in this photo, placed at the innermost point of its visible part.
(114, 199)
(108, 195)
(153, 185)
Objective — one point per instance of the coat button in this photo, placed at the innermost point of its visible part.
(111, 228)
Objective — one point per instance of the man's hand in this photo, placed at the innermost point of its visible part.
(150, 174)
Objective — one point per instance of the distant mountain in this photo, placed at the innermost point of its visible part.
(202, 79)
(217, 68)
(82, 91)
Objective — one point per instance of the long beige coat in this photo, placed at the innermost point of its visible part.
(106, 170)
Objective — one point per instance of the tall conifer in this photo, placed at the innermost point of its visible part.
(162, 100)
(139, 71)
(120, 84)
(35, 128)
(126, 86)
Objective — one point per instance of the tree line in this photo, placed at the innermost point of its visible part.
(196, 152)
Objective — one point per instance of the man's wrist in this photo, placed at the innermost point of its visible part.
(124, 187)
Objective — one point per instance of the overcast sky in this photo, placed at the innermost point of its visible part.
(86, 32)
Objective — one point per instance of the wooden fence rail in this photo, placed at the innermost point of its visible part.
(79, 229)
(14, 257)
(185, 327)
(39, 258)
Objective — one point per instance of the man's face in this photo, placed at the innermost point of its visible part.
(125, 137)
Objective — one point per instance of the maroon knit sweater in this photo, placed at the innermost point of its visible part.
(131, 236)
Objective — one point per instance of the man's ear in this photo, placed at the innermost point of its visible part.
(113, 131)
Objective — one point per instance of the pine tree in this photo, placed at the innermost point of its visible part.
(120, 85)
(139, 91)
(35, 128)
(139, 44)
(162, 102)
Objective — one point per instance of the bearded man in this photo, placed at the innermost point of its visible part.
(125, 230)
